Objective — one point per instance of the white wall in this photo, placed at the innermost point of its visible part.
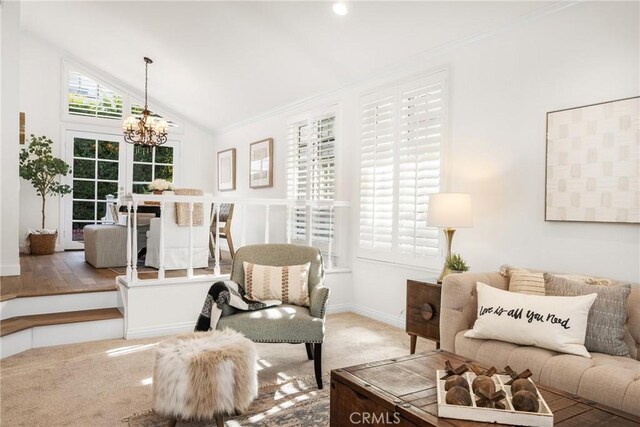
(9, 125)
(41, 100)
(500, 88)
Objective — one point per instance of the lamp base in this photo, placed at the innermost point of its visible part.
(448, 232)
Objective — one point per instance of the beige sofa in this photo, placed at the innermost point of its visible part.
(610, 380)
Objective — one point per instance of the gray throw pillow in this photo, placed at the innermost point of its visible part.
(607, 317)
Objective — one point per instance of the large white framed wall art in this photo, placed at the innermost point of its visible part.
(593, 163)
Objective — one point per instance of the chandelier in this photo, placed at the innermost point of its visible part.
(145, 131)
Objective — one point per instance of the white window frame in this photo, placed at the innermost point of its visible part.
(394, 90)
(309, 117)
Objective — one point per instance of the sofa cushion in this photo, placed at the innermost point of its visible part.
(611, 380)
(285, 323)
(607, 316)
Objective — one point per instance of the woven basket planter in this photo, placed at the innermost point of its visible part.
(43, 244)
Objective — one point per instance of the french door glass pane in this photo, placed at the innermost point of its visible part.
(84, 210)
(140, 188)
(84, 189)
(164, 155)
(84, 148)
(142, 154)
(108, 150)
(142, 173)
(84, 168)
(108, 170)
(164, 172)
(105, 188)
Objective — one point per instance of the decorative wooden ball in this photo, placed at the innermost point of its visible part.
(525, 401)
(484, 383)
(523, 384)
(458, 396)
(455, 380)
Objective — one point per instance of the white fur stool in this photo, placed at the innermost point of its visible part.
(205, 375)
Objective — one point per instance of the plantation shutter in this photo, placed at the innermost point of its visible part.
(402, 132)
(420, 127)
(86, 97)
(378, 134)
(311, 176)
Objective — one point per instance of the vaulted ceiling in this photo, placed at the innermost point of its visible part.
(218, 63)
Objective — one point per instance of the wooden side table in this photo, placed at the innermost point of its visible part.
(423, 310)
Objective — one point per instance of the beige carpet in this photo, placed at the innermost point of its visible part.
(102, 382)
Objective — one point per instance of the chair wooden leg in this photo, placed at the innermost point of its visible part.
(230, 243)
(309, 347)
(317, 363)
(219, 420)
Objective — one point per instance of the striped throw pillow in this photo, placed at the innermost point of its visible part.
(526, 282)
(288, 284)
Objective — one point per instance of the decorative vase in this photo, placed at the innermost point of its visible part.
(157, 191)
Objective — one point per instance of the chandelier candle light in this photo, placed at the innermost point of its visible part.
(146, 131)
(449, 211)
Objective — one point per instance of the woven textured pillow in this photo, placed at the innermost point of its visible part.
(607, 316)
(288, 284)
(526, 282)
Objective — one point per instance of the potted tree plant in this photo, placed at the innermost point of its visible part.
(41, 168)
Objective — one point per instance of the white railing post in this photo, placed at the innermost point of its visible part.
(161, 244)
(128, 241)
(243, 236)
(267, 208)
(216, 248)
(134, 250)
(190, 269)
(330, 249)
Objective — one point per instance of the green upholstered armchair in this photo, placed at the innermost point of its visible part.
(285, 323)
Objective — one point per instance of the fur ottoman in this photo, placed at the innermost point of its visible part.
(205, 375)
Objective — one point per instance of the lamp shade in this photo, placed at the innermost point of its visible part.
(449, 210)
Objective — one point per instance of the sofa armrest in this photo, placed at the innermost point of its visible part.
(318, 301)
(459, 303)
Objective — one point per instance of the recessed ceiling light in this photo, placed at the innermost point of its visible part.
(340, 9)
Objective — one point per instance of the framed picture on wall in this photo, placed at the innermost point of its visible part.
(227, 170)
(261, 164)
(592, 163)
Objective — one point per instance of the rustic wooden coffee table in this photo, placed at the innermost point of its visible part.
(402, 392)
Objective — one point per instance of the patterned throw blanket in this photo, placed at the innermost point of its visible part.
(229, 293)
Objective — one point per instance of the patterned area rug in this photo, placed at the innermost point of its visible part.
(291, 402)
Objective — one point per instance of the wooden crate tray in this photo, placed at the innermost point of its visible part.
(542, 418)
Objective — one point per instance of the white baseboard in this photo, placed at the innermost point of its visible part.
(397, 321)
(69, 333)
(10, 270)
(160, 331)
(26, 306)
(338, 308)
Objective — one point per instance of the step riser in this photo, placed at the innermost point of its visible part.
(27, 306)
(68, 333)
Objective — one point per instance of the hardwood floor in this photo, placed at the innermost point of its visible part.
(67, 272)
(60, 273)
(16, 324)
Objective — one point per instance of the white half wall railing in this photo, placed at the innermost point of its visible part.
(243, 206)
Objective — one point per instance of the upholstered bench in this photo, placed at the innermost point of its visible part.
(105, 245)
(203, 376)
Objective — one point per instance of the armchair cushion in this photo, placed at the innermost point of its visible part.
(285, 323)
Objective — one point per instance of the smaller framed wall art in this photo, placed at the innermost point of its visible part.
(227, 170)
(592, 170)
(261, 164)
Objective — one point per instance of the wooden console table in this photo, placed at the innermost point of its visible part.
(423, 311)
(402, 392)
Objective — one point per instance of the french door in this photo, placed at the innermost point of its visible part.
(97, 163)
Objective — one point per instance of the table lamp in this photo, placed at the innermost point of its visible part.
(449, 211)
